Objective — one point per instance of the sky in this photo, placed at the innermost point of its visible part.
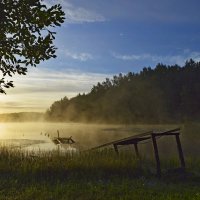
(102, 38)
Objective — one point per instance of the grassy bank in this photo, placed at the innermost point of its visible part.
(103, 175)
(94, 175)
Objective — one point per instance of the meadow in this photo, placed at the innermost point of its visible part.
(102, 174)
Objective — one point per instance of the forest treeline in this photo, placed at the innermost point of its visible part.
(22, 117)
(163, 94)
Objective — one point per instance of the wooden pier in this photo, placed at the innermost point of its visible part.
(152, 136)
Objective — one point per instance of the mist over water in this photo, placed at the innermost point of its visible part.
(37, 136)
(40, 135)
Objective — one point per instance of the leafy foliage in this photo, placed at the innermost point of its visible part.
(26, 36)
(163, 94)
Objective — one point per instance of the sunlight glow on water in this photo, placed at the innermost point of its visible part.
(29, 137)
(38, 136)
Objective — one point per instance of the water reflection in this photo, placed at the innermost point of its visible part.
(27, 137)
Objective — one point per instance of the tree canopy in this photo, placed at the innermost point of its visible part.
(163, 94)
(26, 36)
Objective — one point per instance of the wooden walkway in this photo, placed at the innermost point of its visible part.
(152, 137)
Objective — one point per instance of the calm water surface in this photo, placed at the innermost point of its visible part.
(34, 136)
(38, 136)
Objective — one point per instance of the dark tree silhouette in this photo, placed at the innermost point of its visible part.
(26, 36)
(163, 94)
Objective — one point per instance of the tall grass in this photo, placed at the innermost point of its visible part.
(25, 175)
(91, 175)
(91, 164)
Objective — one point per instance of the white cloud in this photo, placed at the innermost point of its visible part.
(130, 57)
(75, 14)
(41, 87)
(81, 15)
(79, 56)
(168, 59)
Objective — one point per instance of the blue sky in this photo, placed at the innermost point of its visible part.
(101, 38)
(126, 35)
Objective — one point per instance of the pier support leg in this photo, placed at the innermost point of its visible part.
(180, 151)
(136, 150)
(156, 155)
(116, 149)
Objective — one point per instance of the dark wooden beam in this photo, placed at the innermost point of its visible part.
(121, 140)
(166, 134)
(132, 141)
(156, 155)
(139, 137)
(180, 151)
(169, 131)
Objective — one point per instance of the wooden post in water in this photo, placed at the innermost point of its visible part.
(180, 151)
(58, 133)
(156, 155)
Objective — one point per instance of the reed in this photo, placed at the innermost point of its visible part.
(92, 175)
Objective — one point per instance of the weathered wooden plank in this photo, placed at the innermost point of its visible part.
(138, 136)
(136, 139)
(166, 134)
(132, 141)
(124, 139)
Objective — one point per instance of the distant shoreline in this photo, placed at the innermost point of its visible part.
(22, 117)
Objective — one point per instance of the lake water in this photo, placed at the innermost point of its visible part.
(33, 136)
(38, 136)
